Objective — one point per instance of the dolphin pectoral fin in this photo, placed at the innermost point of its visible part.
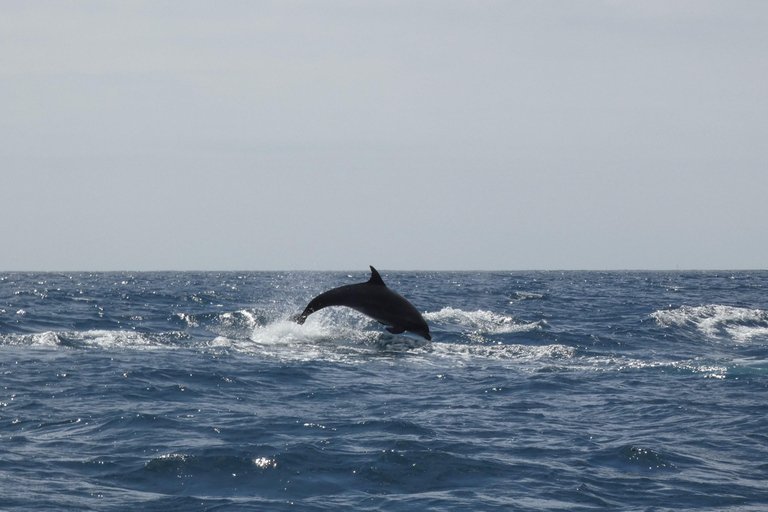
(396, 330)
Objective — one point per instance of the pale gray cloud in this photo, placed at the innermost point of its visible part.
(413, 135)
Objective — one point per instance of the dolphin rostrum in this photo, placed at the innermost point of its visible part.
(375, 300)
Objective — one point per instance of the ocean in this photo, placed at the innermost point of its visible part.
(186, 391)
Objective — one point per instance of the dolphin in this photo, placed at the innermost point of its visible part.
(375, 300)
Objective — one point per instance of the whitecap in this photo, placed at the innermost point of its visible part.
(43, 339)
(343, 335)
(716, 321)
(499, 351)
(481, 321)
(526, 295)
(745, 334)
(107, 339)
(95, 339)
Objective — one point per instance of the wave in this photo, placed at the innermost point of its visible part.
(236, 324)
(179, 473)
(461, 338)
(718, 321)
(102, 339)
(548, 355)
(635, 459)
(707, 369)
(335, 334)
(345, 336)
(287, 341)
(481, 322)
(526, 295)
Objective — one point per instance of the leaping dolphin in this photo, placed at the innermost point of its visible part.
(375, 300)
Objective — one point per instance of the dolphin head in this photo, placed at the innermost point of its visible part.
(423, 331)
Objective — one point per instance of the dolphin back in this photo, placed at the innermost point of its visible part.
(341, 296)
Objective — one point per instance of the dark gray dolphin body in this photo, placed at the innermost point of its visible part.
(375, 300)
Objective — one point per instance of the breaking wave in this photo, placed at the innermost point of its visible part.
(102, 339)
(526, 296)
(334, 334)
(480, 322)
(717, 321)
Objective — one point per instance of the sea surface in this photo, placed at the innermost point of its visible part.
(185, 391)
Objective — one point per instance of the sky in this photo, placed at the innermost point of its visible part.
(426, 135)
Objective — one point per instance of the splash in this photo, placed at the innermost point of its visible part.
(336, 336)
(343, 335)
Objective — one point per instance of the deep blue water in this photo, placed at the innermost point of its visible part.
(539, 391)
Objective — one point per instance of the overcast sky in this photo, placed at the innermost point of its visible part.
(429, 135)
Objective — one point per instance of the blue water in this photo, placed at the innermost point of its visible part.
(539, 391)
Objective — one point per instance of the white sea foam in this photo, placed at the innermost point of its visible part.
(95, 339)
(335, 334)
(43, 339)
(745, 334)
(500, 351)
(341, 334)
(480, 321)
(526, 295)
(621, 363)
(327, 335)
(717, 321)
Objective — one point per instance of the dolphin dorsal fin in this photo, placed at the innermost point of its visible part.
(375, 277)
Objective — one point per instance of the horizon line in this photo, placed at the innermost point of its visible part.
(399, 270)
